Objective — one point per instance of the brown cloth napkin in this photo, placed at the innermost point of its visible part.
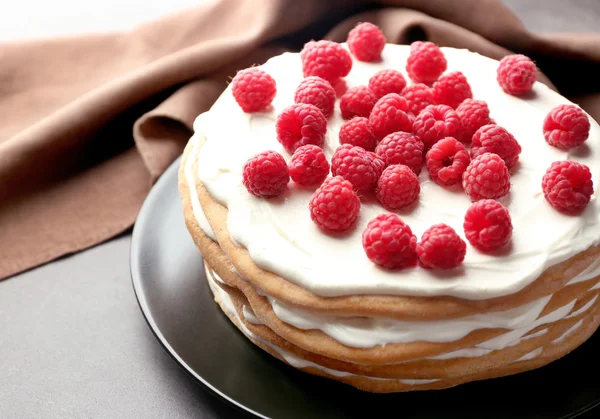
(89, 123)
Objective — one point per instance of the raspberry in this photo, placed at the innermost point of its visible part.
(496, 139)
(253, 89)
(452, 89)
(266, 175)
(397, 187)
(366, 42)
(568, 186)
(357, 101)
(446, 161)
(566, 126)
(308, 165)
(426, 62)
(418, 96)
(516, 74)
(301, 124)
(318, 92)
(358, 132)
(487, 225)
(387, 81)
(474, 114)
(326, 59)
(486, 177)
(389, 242)
(356, 166)
(389, 115)
(441, 248)
(334, 206)
(402, 148)
(436, 122)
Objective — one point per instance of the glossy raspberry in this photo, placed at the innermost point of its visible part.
(387, 81)
(389, 242)
(446, 161)
(318, 92)
(356, 166)
(253, 89)
(366, 41)
(358, 132)
(266, 174)
(334, 206)
(474, 114)
(486, 177)
(436, 122)
(402, 148)
(452, 89)
(487, 225)
(390, 115)
(441, 248)
(397, 187)
(301, 124)
(566, 126)
(568, 186)
(426, 62)
(326, 59)
(308, 165)
(496, 139)
(418, 96)
(516, 74)
(357, 101)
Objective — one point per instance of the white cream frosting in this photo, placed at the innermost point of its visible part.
(281, 237)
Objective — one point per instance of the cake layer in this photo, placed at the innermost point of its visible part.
(280, 237)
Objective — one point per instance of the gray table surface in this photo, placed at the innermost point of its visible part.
(74, 344)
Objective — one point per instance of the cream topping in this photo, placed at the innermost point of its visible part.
(281, 237)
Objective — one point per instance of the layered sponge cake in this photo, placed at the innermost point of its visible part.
(398, 217)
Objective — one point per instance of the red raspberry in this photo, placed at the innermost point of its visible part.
(326, 59)
(389, 242)
(387, 81)
(389, 115)
(334, 206)
(356, 166)
(496, 139)
(566, 126)
(253, 89)
(358, 132)
(418, 96)
(474, 114)
(516, 74)
(402, 148)
(308, 165)
(436, 122)
(487, 225)
(301, 124)
(366, 42)
(446, 161)
(441, 248)
(357, 101)
(397, 187)
(568, 186)
(266, 175)
(426, 62)
(486, 177)
(452, 89)
(316, 91)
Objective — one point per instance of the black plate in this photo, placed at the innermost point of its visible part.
(168, 279)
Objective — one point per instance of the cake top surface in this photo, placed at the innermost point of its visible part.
(281, 237)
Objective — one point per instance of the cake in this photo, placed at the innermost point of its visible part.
(315, 300)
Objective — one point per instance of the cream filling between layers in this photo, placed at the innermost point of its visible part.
(281, 237)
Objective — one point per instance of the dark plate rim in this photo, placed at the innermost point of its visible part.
(134, 270)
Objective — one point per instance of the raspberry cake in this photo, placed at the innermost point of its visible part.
(398, 217)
